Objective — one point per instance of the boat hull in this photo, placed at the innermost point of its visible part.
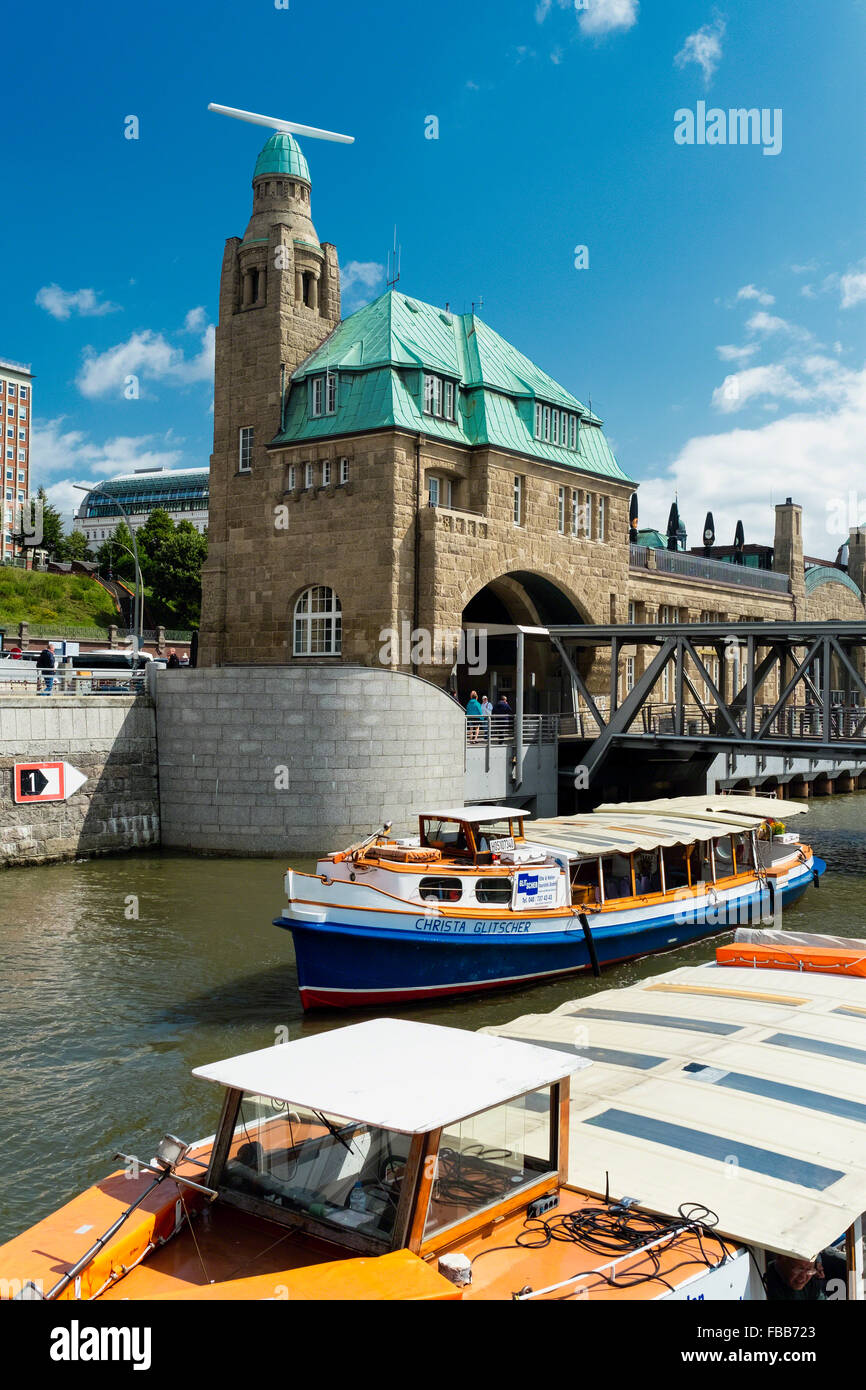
(360, 963)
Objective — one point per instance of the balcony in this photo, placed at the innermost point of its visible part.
(707, 571)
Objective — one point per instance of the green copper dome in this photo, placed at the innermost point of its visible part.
(282, 155)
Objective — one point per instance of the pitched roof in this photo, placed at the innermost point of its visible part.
(380, 353)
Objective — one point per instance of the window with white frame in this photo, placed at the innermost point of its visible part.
(518, 500)
(317, 623)
(344, 470)
(539, 419)
(245, 449)
(631, 613)
(308, 475)
(572, 432)
(12, 388)
(291, 478)
(439, 396)
(560, 511)
(326, 473)
(601, 518)
(433, 491)
(588, 515)
(23, 393)
(545, 423)
(323, 394)
(575, 512)
(554, 428)
(629, 674)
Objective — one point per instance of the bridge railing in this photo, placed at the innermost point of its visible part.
(793, 722)
(499, 729)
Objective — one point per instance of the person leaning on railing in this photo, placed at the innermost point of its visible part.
(474, 716)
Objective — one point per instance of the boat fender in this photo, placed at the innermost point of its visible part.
(352, 877)
(816, 878)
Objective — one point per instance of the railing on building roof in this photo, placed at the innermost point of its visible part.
(709, 571)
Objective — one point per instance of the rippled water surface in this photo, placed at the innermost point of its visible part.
(102, 1016)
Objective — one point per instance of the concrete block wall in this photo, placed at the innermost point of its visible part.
(300, 759)
(112, 740)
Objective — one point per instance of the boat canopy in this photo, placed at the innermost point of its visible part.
(395, 1074)
(473, 815)
(738, 1088)
(754, 808)
(603, 833)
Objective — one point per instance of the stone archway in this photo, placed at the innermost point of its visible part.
(526, 599)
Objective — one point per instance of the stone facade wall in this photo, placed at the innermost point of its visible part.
(112, 740)
(297, 759)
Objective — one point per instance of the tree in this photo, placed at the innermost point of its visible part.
(73, 547)
(171, 562)
(52, 525)
(115, 554)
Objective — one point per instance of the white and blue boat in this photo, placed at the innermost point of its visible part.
(483, 898)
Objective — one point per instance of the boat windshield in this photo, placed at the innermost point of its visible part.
(488, 1158)
(496, 835)
(342, 1173)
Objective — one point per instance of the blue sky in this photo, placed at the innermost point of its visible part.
(719, 326)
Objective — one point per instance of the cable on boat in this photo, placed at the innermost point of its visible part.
(620, 1231)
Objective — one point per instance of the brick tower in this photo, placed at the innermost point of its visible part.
(279, 300)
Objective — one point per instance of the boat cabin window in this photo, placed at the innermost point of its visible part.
(724, 857)
(497, 836)
(647, 871)
(677, 865)
(447, 835)
(488, 1158)
(344, 1174)
(616, 869)
(493, 890)
(584, 882)
(743, 851)
(440, 890)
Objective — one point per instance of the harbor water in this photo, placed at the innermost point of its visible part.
(118, 975)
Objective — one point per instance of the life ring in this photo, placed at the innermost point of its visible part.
(408, 854)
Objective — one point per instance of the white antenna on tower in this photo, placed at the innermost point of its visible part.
(276, 123)
(393, 267)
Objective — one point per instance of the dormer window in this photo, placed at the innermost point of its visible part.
(439, 397)
(556, 426)
(323, 394)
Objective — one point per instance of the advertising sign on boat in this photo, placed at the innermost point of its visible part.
(535, 888)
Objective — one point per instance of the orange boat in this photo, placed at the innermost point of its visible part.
(387, 1160)
(781, 950)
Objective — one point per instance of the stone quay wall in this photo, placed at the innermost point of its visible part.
(112, 740)
(301, 759)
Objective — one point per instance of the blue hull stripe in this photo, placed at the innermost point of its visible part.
(717, 1146)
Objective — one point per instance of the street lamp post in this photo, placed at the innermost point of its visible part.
(137, 604)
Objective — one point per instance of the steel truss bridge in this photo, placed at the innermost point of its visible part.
(810, 661)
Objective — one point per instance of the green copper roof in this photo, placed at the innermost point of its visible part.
(381, 353)
(282, 155)
(654, 540)
(828, 574)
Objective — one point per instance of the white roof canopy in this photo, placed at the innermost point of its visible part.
(753, 808)
(739, 1088)
(599, 834)
(394, 1073)
(474, 814)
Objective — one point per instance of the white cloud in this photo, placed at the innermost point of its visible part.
(813, 456)
(752, 292)
(61, 456)
(741, 387)
(148, 356)
(606, 16)
(704, 47)
(768, 324)
(728, 352)
(358, 280)
(195, 320)
(61, 304)
(542, 10)
(853, 286)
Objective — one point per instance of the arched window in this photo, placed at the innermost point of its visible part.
(318, 623)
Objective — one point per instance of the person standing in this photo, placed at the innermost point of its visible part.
(45, 662)
(474, 716)
(486, 706)
(502, 707)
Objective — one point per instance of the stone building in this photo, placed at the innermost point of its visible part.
(383, 482)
